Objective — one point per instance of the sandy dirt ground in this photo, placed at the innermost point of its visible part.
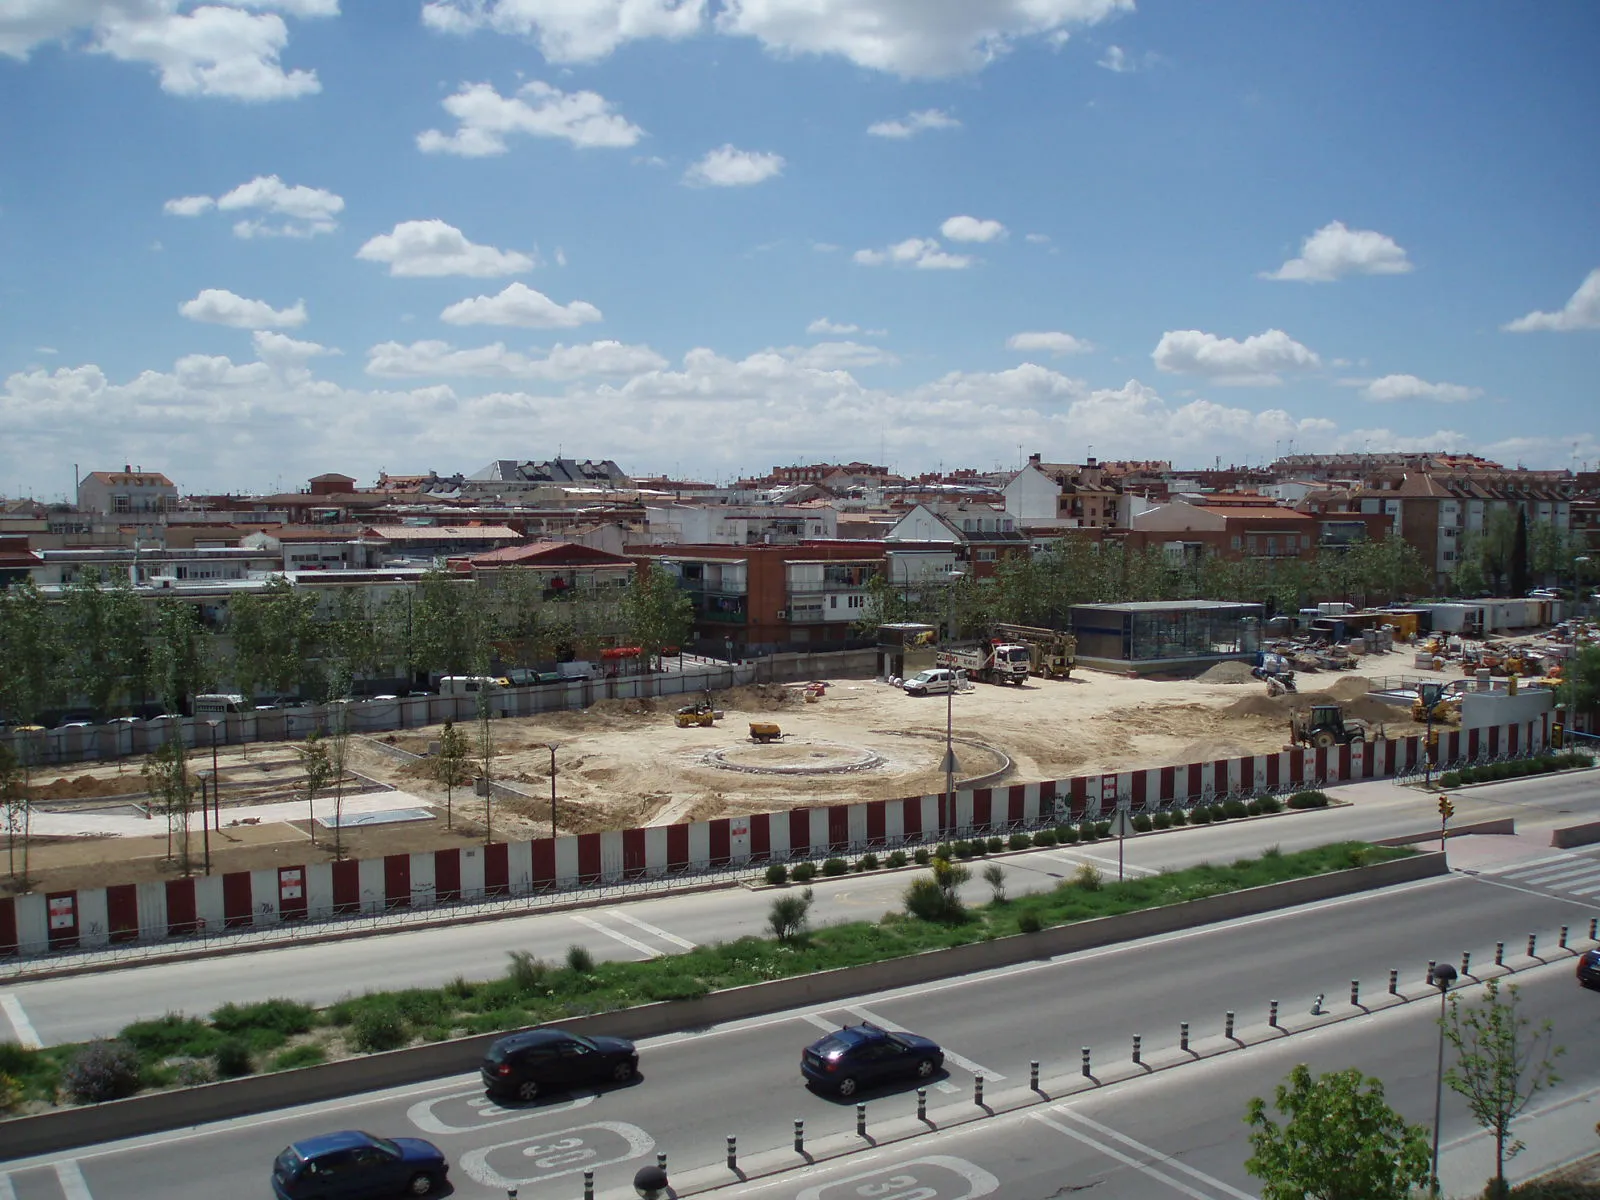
(624, 764)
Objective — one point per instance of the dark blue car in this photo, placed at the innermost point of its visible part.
(354, 1166)
(859, 1056)
(1589, 968)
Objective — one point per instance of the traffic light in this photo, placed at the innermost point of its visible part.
(1446, 808)
(1433, 739)
(1557, 735)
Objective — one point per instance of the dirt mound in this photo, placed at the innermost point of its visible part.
(1227, 672)
(757, 697)
(1263, 705)
(1361, 707)
(630, 707)
(85, 786)
(1351, 687)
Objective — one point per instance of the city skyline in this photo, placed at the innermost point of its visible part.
(247, 243)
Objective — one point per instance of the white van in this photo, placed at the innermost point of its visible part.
(218, 705)
(466, 685)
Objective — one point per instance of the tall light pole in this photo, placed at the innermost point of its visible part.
(216, 792)
(551, 746)
(947, 814)
(205, 824)
(1442, 976)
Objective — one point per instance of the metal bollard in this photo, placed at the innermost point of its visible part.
(800, 1136)
(1137, 1043)
(1355, 992)
(1086, 1062)
(1227, 1026)
(1428, 978)
(1394, 983)
(1499, 954)
(1272, 1014)
(1466, 963)
(1533, 942)
(1594, 929)
(588, 1185)
(1563, 942)
(1316, 1005)
(1033, 1076)
(733, 1153)
(861, 1120)
(977, 1090)
(922, 1104)
(661, 1161)
(1183, 1035)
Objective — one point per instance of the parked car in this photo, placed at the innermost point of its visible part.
(858, 1056)
(343, 1166)
(523, 1066)
(1589, 968)
(934, 679)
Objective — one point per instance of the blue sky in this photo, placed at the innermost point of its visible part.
(255, 240)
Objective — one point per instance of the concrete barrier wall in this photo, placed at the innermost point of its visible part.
(43, 923)
(1575, 835)
(1502, 825)
(52, 1132)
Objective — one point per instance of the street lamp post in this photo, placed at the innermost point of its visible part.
(1442, 976)
(216, 793)
(205, 822)
(947, 805)
(551, 746)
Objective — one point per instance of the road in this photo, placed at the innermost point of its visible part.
(742, 1078)
(75, 1008)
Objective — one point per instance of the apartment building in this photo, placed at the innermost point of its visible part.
(126, 492)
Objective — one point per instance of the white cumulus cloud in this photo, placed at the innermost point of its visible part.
(566, 31)
(913, 123)
(436, 358)
(1255, 360)
(218, 306)
(432, 247)
(972, 229)
(1409, 387)
(923, 253)
(306, 211)
(1582, 311)
(522, 306)
(216, 49)
(1334, 251)
(485, 119)
(728, 166)
(1049, 342)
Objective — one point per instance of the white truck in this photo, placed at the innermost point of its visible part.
(988, 660)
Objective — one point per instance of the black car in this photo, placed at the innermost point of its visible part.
(858, 1056)
(525, 1065)
(1589, 968)
(355, 1166)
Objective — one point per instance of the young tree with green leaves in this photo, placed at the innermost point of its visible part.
(449, 630)
(166, 774)
(338, 744)
(181, 654)
(1580, 682)
(350, 646)
(318, 768)
(656, 612)
(1521, 561)
(485, 758)
(102, 637)
(1339, 1140)
(31, 678)
(18, 815)
(451, 767)
(1503, 1060)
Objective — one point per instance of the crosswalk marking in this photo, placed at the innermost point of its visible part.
(70, 1177)
(27, 1036)
(631, 943)
(652, 930)
(1575, 875)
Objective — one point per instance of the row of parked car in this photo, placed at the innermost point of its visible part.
(524, 1068)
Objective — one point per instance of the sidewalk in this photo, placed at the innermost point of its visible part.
(102, 824)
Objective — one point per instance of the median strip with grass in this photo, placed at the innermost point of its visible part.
(274, 1035)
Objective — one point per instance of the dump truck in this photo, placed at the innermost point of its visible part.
(1053, 652)
(1325, 725)
(988, 659)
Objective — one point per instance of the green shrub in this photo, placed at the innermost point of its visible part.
(286, 1017)
(1089, 831)
(1308, 800)
(927, 901)
(299, 1056)
(920, 856)
(789, 915)
(1142, 823)
(777, 873)
(1088, 878)
(1236, 808)
(1102, 829)
(378, 1027)
(171, 1036)
(1162, 820)
(963, 849)
(1219, 810)
(944, 850)
(232, 1059)
(101, 1070)
(526, 973)
(1029, 922)
(1200, 814)
(11, 1093)
(995, 845)
(1253, 807)
(579, 960)
(1019, 841)
(1179, 817)
(868, 862)
(1045, 837)
(834, 867)
(897, 859)
(803, 872)
(1269, 804)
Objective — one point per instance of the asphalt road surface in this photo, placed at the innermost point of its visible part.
(1178, 1133)
(47, 1012)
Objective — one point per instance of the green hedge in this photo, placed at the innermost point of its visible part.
(1309, 800)
(1515, 769)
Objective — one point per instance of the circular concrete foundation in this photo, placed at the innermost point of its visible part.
(797, 756)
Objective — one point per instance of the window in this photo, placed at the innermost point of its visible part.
(858, 601)
(833, 602)
(1238, 542)
(986, 555)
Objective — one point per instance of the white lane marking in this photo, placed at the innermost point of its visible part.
(7, 1192)
(1076, 858)
(1547, 877)
(653, 931)
(27, 1036)
(1584, 891)
(1511, 887)
(1165, 1160)
(631, 943)
(1536, 863)
(1110, 1152)
(944, 1085)
(71, 1180)
(966, 1064)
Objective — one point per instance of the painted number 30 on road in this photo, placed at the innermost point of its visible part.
(933, 1178)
